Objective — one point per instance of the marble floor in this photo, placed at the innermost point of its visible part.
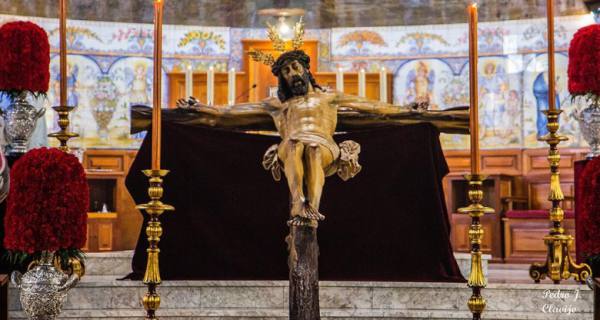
(510, 273)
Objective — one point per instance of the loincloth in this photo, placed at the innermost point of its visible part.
(311, 138)
(345, 156)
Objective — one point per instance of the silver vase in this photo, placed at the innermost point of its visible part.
(589, 123)
(20, 119)
(43, 288)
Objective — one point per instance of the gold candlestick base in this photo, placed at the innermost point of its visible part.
(476, 210)
(64, 134)
(154, 208)
(559, 265)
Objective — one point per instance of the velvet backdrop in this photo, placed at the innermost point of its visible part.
(389, 223)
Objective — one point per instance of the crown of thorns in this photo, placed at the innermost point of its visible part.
(278, 43)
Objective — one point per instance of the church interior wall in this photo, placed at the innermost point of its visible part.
(110, 68)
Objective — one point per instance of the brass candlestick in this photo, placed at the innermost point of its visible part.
(154, 208)
(559, 265)
(63, 110)
(476, 210)
(63, 122)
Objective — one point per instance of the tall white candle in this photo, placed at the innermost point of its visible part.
(382, 85)
(362, 88)
(189, 82)
(339, 80)
(210, 86)
(231, 87)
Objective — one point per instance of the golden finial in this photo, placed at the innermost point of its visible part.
(278, 43)
(262, 57)
(298, 39)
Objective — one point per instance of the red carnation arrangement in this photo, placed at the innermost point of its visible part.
(47, 205)
(24, 59)
(584, 63)
(589, 198)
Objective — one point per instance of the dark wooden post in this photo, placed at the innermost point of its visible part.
(303, 262)
(3, 297)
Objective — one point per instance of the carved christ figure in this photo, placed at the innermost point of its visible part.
(306, 118)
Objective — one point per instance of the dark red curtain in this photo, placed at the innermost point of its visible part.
(388, 224)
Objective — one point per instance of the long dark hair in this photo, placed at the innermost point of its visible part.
(283, 91)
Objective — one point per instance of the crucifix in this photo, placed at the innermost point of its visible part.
(306, 117)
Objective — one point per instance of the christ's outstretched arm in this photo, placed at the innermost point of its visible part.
(357, 112)
(244, 116)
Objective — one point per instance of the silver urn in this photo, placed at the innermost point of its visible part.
(20, 119)
(589, 123)
(43, 288)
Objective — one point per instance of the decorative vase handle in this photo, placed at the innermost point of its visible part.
(70, 283)
(15, 279)
(40, 113)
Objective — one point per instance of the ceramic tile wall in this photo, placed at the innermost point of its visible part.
(110, 68)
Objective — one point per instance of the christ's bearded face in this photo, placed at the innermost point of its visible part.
(296, 78)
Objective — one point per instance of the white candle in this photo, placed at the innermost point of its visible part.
(382, 85)
(362, 88)
(189, 82)
(231, 87)
(210, 86)
(339, 80)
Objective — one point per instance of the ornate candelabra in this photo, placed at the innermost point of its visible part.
(559, 265)
(63, 110)
(154, 208)
(476, 210)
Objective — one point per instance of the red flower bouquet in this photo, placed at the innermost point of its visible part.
(47, 205)
(589, 199)
(24, 58)
(584, 63)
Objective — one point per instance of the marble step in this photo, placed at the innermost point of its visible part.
(118, 263)
(339, 300)
(278, 314)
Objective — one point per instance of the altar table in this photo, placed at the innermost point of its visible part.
(389, 223)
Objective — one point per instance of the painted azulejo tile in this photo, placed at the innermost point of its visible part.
(358, 42)
(134, 38)
(535, 101)
(393, 41)
(202, 42)
(78, 38)
(499, 102)
(423, 81)
(102, 98)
